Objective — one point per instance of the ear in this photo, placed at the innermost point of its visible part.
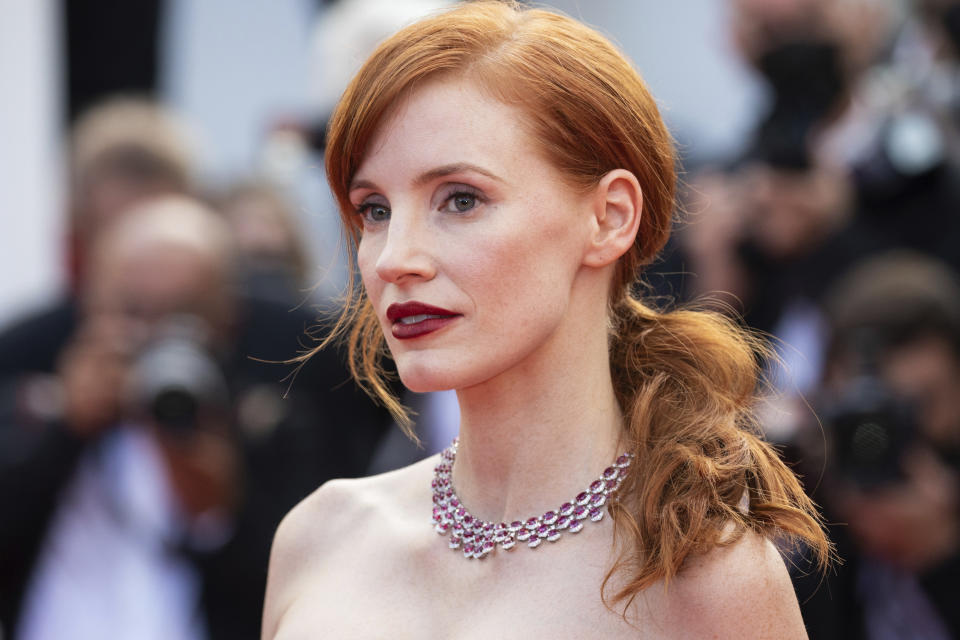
(617, 204)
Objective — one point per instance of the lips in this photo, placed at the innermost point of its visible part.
(414, 319)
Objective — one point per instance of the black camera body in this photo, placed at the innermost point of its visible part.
(176, 378)
(870, 429)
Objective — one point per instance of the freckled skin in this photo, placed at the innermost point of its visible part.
(507, 264)
(359, 559)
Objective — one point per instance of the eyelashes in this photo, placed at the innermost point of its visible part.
(457, 199)
(371, 213)
(462, 199)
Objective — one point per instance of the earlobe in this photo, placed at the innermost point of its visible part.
(617, 207)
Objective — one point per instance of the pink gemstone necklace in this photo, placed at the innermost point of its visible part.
(478, 538)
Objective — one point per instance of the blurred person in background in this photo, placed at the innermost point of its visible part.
(787, 197)
(271, 253)
(142, 480)
(857, 123)
(855, 148)
(850, 151)
(121, 152)
(909, 166)
(890, 405)
(813, 56)
(772, 238)
(768, 233)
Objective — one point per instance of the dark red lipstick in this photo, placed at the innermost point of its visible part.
(414, 319)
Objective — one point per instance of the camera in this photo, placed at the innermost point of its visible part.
(807, 84)
(176, 380)
(871, 428)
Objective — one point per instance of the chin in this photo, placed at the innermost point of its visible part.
(423, 377)
(425, 383)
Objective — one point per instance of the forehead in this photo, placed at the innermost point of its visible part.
(152, 270)
(443, 121)
(922, 359)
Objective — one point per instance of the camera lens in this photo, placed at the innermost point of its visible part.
(870, 443)
(175, 408)
(176, 379)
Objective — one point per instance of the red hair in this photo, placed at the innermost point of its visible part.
(685, 380)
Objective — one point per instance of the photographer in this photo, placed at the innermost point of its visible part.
(141, 483)
(889, 402)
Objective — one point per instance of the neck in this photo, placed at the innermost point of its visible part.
(533, 438)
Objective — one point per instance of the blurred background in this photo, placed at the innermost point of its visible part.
(235, 73)
(163, 208)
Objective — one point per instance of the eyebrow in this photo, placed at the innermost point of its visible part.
(433, 174)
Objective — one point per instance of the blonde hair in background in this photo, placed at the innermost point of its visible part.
(124, 123)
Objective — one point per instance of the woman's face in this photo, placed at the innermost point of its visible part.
(472, 244)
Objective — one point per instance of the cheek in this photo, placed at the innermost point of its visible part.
(528, 273)
(367, 253)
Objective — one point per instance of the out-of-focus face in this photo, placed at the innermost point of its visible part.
(789, 213)
(259, 227)
(910, 523)
(927, 372)
(136, 290)
(472, 244)
(109, 196)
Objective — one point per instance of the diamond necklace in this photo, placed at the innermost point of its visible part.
(477, 538)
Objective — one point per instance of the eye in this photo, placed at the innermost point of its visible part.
(460, 202)
(373, 212)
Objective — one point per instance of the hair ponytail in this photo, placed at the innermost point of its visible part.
(687, 384)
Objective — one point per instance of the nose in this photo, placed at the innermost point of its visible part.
(405, 254)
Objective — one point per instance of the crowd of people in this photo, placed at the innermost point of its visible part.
(835, 231)
(153, 432)
(152, 436)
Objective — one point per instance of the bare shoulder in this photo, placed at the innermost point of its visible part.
(307, 531)
(321, 529)
(738, 591)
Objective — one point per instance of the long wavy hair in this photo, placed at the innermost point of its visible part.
(686, 380)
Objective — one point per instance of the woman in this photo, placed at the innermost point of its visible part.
(504, 174)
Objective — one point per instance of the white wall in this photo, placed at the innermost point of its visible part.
(31, 222)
